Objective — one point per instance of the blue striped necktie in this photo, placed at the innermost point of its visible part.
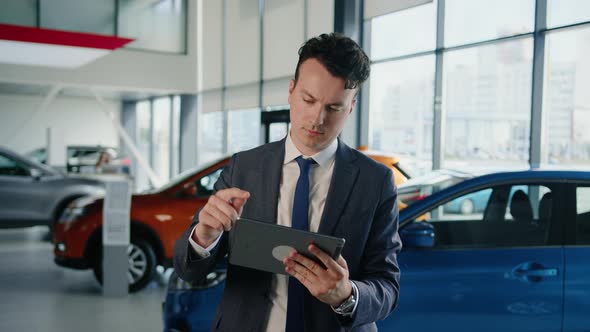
(300, 220)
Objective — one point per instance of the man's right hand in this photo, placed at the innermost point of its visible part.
(219, 214)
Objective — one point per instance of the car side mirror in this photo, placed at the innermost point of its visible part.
(35, 173)
(418, 234)
(190, 190)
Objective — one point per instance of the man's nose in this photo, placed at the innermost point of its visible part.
(318, 113)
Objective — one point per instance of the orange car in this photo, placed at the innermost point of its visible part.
(158, 218)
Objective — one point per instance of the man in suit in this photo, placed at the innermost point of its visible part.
(309, 180)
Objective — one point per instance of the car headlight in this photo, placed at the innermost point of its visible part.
(76, 209)
(72, 214)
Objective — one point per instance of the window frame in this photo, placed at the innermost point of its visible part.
(570, 208)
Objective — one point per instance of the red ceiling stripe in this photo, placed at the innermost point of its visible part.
(59, 37)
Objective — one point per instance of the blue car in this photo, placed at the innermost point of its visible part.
(521, 264)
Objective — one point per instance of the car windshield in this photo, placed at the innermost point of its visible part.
(38, 155)
(442, 177)
(32, 162)
(47, 169)
(422, 186)
(182, 177)
(404, 169)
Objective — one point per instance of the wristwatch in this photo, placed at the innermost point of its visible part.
(346, 307)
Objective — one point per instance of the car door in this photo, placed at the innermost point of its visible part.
(500, 269)
(18, 193)
(577, 257)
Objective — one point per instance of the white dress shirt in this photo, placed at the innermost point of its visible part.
(320, 177)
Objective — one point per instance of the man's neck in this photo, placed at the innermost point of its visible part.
(305, 150)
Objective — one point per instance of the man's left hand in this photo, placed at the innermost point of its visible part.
(330, 284)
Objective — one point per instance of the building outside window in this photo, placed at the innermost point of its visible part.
(401, 116)
(487, 103)
(566, 104)
(487, 79)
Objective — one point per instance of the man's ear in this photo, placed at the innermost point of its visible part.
(291, 88)
(352, 105)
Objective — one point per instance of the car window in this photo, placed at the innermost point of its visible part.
(583, 215)
(85, 154)
(39, 155)
(206, 183)
(503, 216)
(71, 152)
(11, 167)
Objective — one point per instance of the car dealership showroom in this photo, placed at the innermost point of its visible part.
(120, 121)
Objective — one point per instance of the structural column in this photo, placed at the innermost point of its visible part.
(348, 20)
(189, 131)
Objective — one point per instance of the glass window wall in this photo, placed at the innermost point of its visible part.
(404, 32)
(143, 139)
(84, 16)
(566, 12)
(487, 105)
(566, 106)
(158, 25)
(401, 117)
(210, 147)
(243, 129)
(175, 152)
(470, 21)
(161, 138)
(486, 84)
(19, 12)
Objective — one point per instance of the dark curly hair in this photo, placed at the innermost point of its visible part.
(342, 56)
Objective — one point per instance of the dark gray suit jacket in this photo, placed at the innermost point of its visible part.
(361, 207)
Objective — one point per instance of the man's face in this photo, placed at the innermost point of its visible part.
(320, 106)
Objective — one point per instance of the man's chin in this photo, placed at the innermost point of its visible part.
(315, 145)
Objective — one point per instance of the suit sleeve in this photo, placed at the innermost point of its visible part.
(378, 284)
(187, 264)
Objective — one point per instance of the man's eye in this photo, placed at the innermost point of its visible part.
(309, 101)
(334, 109)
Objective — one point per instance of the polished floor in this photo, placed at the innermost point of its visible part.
(37, 295)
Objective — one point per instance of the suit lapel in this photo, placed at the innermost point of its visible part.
(270, 176)
(341, 185)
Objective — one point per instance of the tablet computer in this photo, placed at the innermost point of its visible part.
(262, 246)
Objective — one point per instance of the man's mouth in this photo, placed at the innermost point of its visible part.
(313, 132)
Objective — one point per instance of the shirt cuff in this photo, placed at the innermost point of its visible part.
(355, 293)
(203, 252)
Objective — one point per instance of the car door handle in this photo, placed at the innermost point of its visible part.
(532, 272)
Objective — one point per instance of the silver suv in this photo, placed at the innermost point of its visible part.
(34, 194)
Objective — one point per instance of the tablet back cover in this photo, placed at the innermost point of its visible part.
(262, 246)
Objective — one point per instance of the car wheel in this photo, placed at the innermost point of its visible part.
(467, 206)
(142, 265)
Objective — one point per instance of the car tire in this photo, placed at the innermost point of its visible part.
(467, 206)
(142, 265)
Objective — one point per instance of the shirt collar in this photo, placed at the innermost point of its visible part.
(324, 158)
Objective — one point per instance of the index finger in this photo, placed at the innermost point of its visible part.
(231, 193)
(328, 261)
